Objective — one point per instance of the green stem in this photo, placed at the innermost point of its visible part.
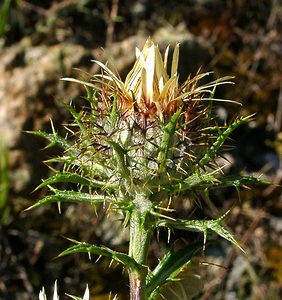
(140, 236)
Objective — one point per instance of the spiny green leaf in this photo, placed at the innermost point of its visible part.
(196, 181)
(121, 159)
(78, 119)
(209, 180)
(187, 285)
(84, 164)
(74, 178)
(169, 131)
(54, 139)
(201, 226)
(64, 177)
(114, 114)
(72, 197)
(239, 181)
(120, 257)
(91, 97)
(170, 266)
(213, 149)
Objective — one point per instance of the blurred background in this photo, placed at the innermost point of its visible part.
(43, 41)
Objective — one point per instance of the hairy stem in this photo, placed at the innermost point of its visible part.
(140, 236)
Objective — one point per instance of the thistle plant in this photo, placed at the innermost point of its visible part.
(139, 146)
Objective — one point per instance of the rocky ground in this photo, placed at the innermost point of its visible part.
(43, 42)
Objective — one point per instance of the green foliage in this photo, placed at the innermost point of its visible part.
(122, 258)
(201, 226)
(222, 136)
(169, 268)
(70, 197)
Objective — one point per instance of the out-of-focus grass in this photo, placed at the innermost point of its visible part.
(4, 16)
(4, 184)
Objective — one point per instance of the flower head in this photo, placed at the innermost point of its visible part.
(148, 89)
(148, 128)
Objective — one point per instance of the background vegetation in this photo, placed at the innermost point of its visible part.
(240, 38)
